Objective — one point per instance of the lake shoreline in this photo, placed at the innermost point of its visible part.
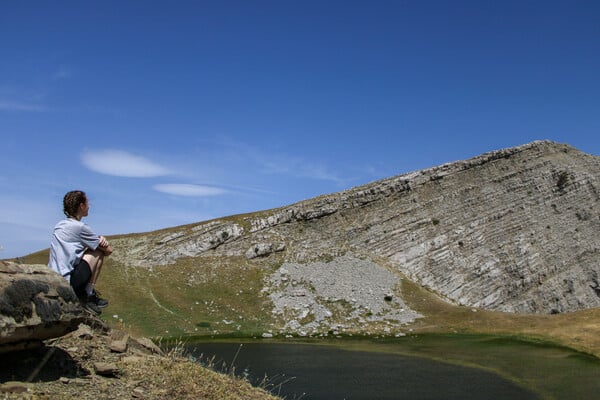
(509, 358)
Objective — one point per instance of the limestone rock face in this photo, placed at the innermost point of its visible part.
(35, 304)
(511, 230)
(166, 249)
(264, 249)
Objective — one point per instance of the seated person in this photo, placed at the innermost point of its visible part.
(77, 253)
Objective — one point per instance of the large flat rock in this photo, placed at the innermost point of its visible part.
(35, 304)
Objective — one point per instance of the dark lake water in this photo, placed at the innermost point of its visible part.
(307, 371)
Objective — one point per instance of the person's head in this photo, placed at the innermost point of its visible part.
(75, 204)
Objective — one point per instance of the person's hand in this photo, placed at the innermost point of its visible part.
(105, 246)
(103, 242)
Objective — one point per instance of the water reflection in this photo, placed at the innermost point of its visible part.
(312, 372)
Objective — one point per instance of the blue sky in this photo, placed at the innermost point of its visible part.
(175, 112)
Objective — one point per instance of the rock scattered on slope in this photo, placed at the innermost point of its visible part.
(513, 230)
(336, 296)
(83, 365)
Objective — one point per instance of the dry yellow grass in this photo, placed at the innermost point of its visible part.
(140, 373)
(579, 330)
(187, 380)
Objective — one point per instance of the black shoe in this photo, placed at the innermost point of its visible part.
(91, 307)
(96, 300)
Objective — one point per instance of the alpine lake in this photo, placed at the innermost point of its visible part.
(415, 367)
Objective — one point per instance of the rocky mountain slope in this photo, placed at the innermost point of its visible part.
(511, 230)
(489, 245)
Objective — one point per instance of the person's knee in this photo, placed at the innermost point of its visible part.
(93, 257)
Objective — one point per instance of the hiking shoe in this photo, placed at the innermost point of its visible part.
(91, 307)
(96, 300)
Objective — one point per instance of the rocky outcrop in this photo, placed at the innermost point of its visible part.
(336, 296)
(264, 249)
(512, 230)
(189, 242)
(35, 304)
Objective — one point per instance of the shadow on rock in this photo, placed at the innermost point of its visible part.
(43, 364)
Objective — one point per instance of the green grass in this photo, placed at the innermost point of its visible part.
(221, 296)
(555, 372)
(578, 330)
(193, 297)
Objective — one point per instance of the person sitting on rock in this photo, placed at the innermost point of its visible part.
(77, 253)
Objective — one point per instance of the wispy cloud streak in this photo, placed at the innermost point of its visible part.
(274, 163)
(8, 105)
(63, 72)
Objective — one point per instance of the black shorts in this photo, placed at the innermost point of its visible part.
(80, 277)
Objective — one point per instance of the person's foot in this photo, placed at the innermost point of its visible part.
(90, 306)
(97, 300)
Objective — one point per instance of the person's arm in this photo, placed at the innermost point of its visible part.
(105, 247)
(93, 241)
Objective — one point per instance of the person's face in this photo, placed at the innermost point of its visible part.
(84, 208)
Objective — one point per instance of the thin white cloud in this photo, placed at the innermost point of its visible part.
(185, 189)
(299, 168)
(8, 105)
(315, 171)
(20, 210)
(275, 163)
(122, 163)
(63, 72)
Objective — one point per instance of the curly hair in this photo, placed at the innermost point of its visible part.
(71, 202)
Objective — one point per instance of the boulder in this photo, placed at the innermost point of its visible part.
(35, 304)
(106, 369)
(264, 249)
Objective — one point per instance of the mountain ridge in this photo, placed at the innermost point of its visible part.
(508, 230)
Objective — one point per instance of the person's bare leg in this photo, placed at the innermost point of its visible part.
(95, 259)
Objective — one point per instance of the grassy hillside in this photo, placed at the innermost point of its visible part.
(205, 297)
(221, 296)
